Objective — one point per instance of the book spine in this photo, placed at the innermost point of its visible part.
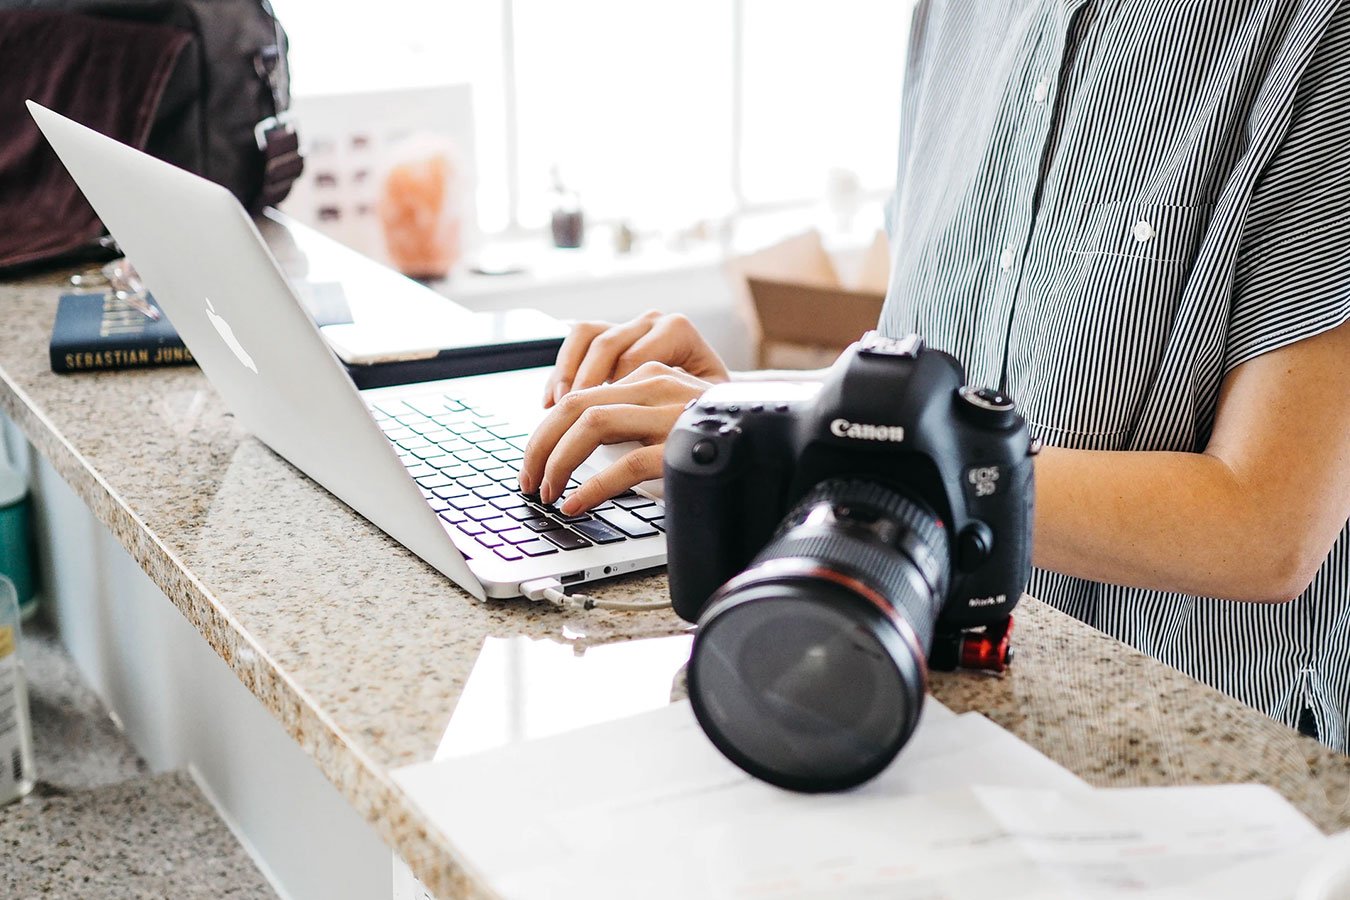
(101, 357)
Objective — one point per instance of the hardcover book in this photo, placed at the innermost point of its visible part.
(99, 331)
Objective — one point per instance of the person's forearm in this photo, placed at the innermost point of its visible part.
(1167, 521)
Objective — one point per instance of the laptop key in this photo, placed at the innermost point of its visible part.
(491, 492)
(517, 536)
(566, 540)
(475, 481)
(420, 470)
(500, 524)
(540, 524)
(509, 553)
(599, 532)
(512, 455)
(512, 502)
(427, 406)
(649, 513)
(437, 504)
(489, 540)
(470, 528)
(481, 513)
(626, 522)
(579, 517)
(494, 446)
(433, 481)
(658, 523)
(536, 548)
(522, 512)
(634, 502)
(454, 516)
(450, 491)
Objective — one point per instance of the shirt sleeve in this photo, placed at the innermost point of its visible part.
(1292, 279)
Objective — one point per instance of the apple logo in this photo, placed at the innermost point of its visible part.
(227, 335)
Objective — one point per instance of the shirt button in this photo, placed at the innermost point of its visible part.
(1143, 231)
(1005, 259)
(1042, 90)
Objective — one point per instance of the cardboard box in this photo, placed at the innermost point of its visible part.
(800, 311)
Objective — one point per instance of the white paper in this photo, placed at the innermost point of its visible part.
(645, 806)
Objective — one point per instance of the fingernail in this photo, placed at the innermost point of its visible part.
(570, 505)
(560, 390)
(546, 492)
(526, 483)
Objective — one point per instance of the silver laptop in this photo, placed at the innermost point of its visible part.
(433, 464)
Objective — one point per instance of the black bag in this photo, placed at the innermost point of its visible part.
(214, 99)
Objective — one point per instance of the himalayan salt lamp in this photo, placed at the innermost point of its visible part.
(420, 208)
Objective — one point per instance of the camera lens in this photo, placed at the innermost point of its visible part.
(809, 668)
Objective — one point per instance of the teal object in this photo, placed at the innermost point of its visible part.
(16, 538)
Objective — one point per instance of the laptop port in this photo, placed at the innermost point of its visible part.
(573, 578)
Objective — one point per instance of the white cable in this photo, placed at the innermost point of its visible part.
(550, 589)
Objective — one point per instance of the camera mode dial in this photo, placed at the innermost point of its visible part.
(989, 406)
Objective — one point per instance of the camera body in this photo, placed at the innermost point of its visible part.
(891, 412)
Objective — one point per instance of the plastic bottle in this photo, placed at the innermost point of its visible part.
(16, 733)
(16, 536)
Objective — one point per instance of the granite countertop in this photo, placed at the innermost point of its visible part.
(361, 651)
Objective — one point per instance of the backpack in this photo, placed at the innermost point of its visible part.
(203, 84)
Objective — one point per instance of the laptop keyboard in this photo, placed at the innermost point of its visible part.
(466, 461)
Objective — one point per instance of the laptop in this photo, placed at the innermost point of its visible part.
(433, 465)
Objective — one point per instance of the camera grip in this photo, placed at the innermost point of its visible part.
(725, 480)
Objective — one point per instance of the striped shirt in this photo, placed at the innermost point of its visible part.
(1104, 206)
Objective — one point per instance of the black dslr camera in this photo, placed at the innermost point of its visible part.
(834, 541)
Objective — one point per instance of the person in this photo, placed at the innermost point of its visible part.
(1135, 218)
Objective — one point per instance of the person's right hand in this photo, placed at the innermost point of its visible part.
(599, 352)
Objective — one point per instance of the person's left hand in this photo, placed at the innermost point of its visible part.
(642, 406)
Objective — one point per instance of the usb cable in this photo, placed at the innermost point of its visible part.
(551, 590)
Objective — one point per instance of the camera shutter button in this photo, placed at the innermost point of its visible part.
(974, 546)
(704, 451)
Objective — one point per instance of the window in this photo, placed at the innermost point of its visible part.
(660, 114)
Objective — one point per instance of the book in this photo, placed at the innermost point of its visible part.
(97, 331)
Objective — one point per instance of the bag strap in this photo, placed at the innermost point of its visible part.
(275, 134)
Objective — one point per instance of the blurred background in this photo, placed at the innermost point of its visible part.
(722, 121)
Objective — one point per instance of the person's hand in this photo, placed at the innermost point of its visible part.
(641, 406)
(597, 352)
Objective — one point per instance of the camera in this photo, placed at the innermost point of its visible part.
(833, 541)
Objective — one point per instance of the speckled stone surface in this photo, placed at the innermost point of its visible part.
(149, 837)
(361, 651)
(76, 743)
